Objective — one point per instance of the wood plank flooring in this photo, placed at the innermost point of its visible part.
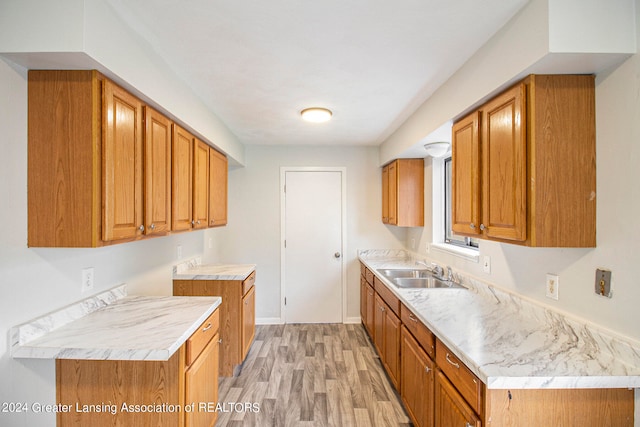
(311, 375)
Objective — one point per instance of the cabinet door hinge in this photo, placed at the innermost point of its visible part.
(285, 300)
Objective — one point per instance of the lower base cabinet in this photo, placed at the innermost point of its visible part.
(451, 408)
(237, 315)
(177, 392)
(417, 381)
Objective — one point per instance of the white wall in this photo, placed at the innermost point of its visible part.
(36, 281)
(253, 233)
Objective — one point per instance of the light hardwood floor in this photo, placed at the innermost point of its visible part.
(312, 375)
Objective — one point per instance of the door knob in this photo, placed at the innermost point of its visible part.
(337, 255)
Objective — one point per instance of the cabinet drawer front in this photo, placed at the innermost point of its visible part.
(420, 332)
(392, 301)
(368, 275)
(469, 386)
(248, 283)
(200, 338)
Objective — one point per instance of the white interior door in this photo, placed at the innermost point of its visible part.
(313, 261)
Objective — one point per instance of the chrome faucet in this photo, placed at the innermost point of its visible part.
(437, 270)
(423, 263)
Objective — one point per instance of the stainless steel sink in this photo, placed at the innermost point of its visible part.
(424, 282)
(392, 273)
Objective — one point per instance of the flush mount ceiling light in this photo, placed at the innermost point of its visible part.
(436, 148)
(316, 115)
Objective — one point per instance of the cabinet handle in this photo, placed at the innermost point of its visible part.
(206, 328)
(472, 226)
(193, 222)
(452, 362)
(412, 317)
(468, 425)
(141, 228)
(220, 341)
(198, 222)
(381, 308)
(427, 369)
(152, 226)
(482, 227)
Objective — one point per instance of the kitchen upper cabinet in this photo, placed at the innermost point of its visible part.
(218, 171)
(157, 172)
(122, 165)
(85, 171)
(200, 185)
(403, 193)
(182, 184)
(465, 175)
(524, 165)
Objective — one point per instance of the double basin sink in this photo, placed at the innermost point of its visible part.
(416, 278)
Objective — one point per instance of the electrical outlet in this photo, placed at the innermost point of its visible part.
(553, 283)
(179, 252)
(428, 246)
(486, 264)
(87, 280)
(413, 244)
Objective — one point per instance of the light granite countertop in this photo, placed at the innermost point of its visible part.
(196, 271)
(510, 342)
(113, 326)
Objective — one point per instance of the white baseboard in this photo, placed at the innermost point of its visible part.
(269, 321)
(279, 321)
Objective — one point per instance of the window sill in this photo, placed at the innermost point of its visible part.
(468, 254)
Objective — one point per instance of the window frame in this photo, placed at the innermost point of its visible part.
(450, 237)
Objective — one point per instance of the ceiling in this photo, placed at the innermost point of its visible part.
(256, 64)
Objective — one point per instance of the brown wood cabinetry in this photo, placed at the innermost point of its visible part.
(524, 165)
(237, 315)
(121, 164)
(157, 172)
(367, 300)
(387, 339)
(417, 381)
(403, 193)
(248, 320)
(200, 185)
(451, 408)
(103, 168)
(174, 383)
(439, 390)
(181, 178)
(218, 171)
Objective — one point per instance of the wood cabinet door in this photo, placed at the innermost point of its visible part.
(157, 172)
(391, 345)
(248, 320)
(504, 153)
(363, 300)
(393, 193)
(200, 185)
(451, 409)
(121, 164)
(417, 381)
(385, 194)
(201, 385)
(378, 324)
(181, 181)
(465, 175)
(218, 171)
(371, 307)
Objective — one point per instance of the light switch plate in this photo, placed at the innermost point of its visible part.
(87, 280)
